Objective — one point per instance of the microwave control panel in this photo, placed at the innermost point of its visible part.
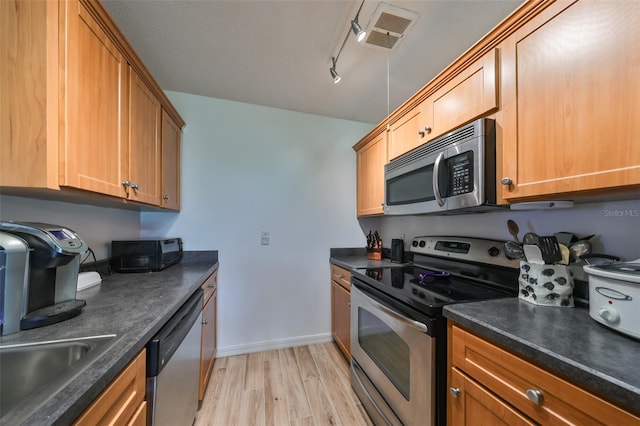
(460, 173)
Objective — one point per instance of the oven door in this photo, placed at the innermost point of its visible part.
(393, 363)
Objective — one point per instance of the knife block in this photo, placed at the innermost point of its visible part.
(374, 253)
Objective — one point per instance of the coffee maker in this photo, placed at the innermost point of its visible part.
(46, 291)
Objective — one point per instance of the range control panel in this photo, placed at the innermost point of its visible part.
(477, 250)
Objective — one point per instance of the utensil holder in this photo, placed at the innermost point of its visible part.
(374, 253)
(547, 285)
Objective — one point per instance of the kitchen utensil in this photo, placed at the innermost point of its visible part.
(513, 230)
(579, 249)
(533, 254)
(433, 274)
(614, 295)
(550, 249)
(565, 253)
(566, 238)
(530, 238)
(587, 258)
(513, 250)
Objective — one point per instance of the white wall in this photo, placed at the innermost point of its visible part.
(248, 169)
(97, 226)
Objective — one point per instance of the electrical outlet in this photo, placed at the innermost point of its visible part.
(264, 238)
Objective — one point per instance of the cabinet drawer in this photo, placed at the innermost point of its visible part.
(341, 276)
(209, 286)
(511, 378)
(122, 401)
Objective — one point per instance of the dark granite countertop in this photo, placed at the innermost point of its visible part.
(354, 258)
(132, 306)
(565, 341)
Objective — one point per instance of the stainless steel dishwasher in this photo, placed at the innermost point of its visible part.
(173, 367)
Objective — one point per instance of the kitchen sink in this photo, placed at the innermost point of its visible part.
(32, 373)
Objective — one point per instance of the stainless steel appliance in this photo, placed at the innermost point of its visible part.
(14, 279)
(451, 173)
(145, 255)
(398, 332)
(54, 262)
(614, 296)
(173, 367)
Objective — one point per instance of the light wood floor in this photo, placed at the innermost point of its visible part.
(305, 385)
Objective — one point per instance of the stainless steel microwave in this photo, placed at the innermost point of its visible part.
(454, 173)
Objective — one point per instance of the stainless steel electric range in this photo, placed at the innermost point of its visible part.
(398, 332)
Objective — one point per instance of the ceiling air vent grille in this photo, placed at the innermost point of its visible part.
(388, 25)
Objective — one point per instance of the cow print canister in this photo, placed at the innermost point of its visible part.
(548, 285)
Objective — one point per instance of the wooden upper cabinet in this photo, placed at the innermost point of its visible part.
(80, 110)
(144, 143)
(170, 188)
(370, 162)
(469, 95)
(571, 94)
(95, 132)
(410, 131)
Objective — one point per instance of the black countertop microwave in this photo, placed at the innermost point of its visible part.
(145, 255)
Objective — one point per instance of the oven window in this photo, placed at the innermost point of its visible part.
(386, 348)
(415, 186)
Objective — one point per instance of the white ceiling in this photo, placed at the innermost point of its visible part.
(278, 53)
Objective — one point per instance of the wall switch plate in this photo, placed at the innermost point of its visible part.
(264, 238)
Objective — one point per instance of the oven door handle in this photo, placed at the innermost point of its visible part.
(415, 324)
(436, 175)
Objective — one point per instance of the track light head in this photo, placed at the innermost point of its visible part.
(357, 30)
(334, 74)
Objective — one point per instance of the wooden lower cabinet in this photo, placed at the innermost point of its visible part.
(209, 336)
(486, 381)
(122, 402)
(469, 403)
(340, 308)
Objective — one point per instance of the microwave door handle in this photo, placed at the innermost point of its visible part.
(436, 183)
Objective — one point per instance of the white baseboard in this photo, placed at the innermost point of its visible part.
(272, 344)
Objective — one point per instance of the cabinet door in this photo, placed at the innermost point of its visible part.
(469, 95)
(144, 143)
(340, 317)
(208, 344)
(123, 401)
(572, 100)
(470, 404)
(410, 131)
(94, 130)
(170, 190)
(371, 159)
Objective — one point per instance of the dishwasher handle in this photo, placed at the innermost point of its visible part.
(163, 345)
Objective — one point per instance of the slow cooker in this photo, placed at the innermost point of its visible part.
(614, 296)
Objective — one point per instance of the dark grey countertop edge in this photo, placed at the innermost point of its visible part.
(357, 258)
(66, 405)
(591, 379)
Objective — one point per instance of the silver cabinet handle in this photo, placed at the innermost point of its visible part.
(427, 129)
(506, 181)
(165, 197)
(455, 392)
(205, 322)
(211, 285)
(534, 396)
(135, 186)
(126, 183)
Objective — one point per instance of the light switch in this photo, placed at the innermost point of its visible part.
(264, 238)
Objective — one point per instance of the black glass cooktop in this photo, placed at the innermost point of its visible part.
(428, 290)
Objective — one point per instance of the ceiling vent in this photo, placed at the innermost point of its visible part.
(388, 25)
